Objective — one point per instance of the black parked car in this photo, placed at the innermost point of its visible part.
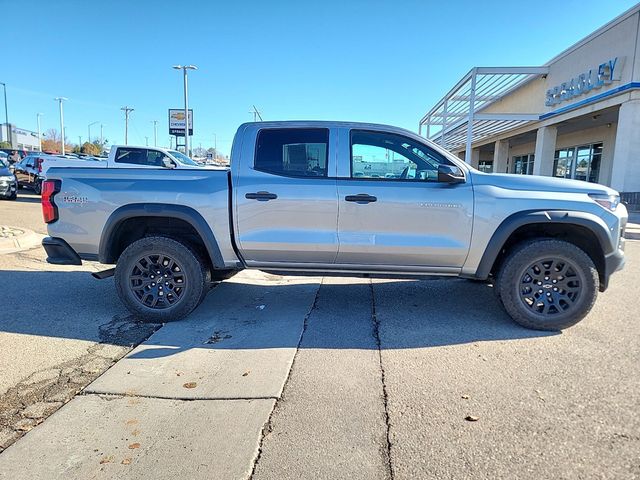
(29, 172)
(8, 183)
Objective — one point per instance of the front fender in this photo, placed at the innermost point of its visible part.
(542, 217)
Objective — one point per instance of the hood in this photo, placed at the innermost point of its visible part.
(539, 183)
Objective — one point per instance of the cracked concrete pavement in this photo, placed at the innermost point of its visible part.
(298, 377)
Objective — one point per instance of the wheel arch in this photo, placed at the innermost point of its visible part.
(582, 229)
(132, 222)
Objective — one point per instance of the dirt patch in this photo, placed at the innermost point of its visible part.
(28, 403)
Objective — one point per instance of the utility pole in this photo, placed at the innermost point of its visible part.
(155, 132)
(101, 139)
(256, 114)
(60, 100)
(80, 143)
(184, 69)
(38, 115)
(6, 115)
(89, 137)
(127, 111)
(146, 139)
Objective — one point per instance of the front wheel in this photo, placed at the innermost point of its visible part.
(37, 187)
(548, 284)
(160, 279)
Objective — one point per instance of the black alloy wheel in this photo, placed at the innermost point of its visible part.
(157, 281)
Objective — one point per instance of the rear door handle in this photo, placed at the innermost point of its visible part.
(361, 198)
(261, 196)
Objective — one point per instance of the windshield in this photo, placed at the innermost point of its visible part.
(182, 158)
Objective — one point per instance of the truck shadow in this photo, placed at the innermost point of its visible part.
(243, 314)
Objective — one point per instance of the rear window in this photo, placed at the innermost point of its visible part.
(139, 156)
(298, 152)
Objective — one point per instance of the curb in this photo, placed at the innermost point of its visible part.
(21, 239)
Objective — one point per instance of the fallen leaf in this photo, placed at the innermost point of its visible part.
(132, 421)
(246, 373)
(126, 461)
(471, 418)
(133, 446)
(190, 385)
(135, 433)
(108, 459)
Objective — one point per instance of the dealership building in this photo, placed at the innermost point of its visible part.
(577, 116)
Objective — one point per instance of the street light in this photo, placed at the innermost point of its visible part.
(155, 132)
(184, 69)
(60, 100)
(6, 115)
(38, 115)
(89, 126)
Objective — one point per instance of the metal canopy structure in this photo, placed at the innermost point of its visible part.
(457, 121)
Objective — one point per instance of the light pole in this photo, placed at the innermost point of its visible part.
(146, 140)
(6, 115)
(60, 100)
(126, 110)
(184, 69)
(215, 146)
(89, 126)
(38, 115)
(155, 132)
(101, 139)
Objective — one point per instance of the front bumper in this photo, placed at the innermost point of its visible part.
(8, 189)
(60, 252)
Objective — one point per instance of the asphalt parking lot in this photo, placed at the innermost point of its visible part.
(302, 377)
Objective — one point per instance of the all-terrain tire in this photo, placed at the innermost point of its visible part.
(138, 290)
(547, 284)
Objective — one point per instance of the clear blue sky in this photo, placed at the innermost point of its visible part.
(378, 61)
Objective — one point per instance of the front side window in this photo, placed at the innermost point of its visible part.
(389, 156)
(140, 156)
(297, 152)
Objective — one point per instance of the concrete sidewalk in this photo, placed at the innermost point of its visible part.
(190, 402)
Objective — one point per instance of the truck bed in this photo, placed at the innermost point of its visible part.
(90, 199)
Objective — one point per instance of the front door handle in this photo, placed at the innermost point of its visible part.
(361, 198)
(261, 196)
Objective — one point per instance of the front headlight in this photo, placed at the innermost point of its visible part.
(7, 179)
(610, 202)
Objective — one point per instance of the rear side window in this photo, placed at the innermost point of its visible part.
(297, 152)
(139, 156)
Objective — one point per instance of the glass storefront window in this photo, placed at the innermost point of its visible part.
(523, 165)
(485, 166)
(580, 163)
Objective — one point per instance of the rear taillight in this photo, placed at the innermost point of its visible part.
(49, 209)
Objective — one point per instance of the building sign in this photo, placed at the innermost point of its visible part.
(582, 84)
(177, 120)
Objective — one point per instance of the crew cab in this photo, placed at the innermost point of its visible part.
(337, 198)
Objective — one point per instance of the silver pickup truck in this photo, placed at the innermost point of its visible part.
(336, 198)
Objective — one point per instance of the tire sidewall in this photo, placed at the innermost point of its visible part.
(191, 267)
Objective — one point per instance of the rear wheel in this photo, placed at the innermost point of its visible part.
(547, 284)
(160, 279)
(37, 187)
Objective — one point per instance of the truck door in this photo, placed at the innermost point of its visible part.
(285, 197)
(392, 209)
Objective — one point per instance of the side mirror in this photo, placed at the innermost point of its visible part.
(450, 174)
(168, 163)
